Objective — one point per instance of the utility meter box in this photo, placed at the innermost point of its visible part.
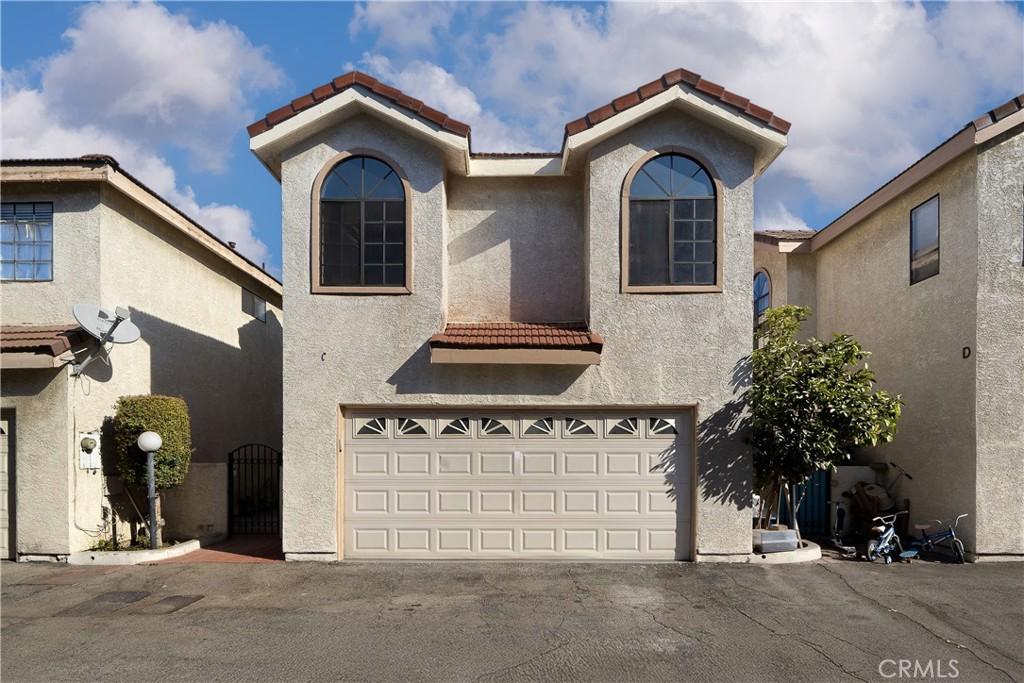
(89, 451)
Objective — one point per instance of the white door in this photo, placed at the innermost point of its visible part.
(554, 484)
(6, 458)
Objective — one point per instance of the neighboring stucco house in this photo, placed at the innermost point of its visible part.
(927, 273)
(517, 355)
(85, 231)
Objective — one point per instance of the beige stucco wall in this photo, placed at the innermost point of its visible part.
(196, 343)
(42, 476)
(999, 350)
(76, 255)
(793, 277)
(681, 348)
(916, 335)
(769, 259)
(515, 249)
(370, 350)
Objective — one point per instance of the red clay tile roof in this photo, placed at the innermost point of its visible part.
(668, 80)
(51, 339)
(509, 335)
(351, 80)
(417, 107)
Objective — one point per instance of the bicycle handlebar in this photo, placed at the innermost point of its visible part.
(955, 523)
(888, 518)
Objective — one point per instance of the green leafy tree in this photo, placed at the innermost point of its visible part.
(811, 404)
(168, 417)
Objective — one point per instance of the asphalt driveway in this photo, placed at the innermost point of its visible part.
(832, 620)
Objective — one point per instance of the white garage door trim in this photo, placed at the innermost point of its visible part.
(516, 484)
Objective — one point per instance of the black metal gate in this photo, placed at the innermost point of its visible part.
(254, 490)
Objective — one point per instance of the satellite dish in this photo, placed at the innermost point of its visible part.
(106, 327)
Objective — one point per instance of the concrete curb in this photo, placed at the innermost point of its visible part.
(110, 557)
(809, 552)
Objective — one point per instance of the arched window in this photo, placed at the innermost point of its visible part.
(673, 225)
(363, 238)
(762, 294)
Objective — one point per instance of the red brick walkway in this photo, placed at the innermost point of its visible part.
(235, 550)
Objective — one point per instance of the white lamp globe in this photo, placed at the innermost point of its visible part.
(150, 442)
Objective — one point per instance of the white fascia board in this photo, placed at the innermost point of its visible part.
(546, 166)
(767, 142)
(269, 144)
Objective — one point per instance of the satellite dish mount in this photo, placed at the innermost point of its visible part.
(106, 327)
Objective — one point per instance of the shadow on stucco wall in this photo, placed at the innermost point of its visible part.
(725, 466)
(233, 393)
(541, 277)
(418, 376)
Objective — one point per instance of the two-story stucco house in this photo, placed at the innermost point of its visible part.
(517, 355)
(85, 231)
(928, 273)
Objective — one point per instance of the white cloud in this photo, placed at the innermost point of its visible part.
(137, 78)
(777, 217)
(442, 90)
(869, 88)
(403, 26)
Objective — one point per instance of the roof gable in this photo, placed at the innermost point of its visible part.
(355, 91)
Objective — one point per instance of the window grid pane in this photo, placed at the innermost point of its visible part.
(693, 243)
(26, 241)
(363, 241)
(687, 255)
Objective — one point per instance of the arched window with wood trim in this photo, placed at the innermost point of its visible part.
(672, 229)
(361, 227)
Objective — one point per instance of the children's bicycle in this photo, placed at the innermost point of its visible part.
(947, 536)
(886, 544)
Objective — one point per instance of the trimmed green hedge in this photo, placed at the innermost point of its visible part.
(168, 417)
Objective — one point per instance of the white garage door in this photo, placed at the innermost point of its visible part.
(552, 485)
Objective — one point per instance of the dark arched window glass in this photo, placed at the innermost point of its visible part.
(362, 224)
(672, 231)
(762, 294)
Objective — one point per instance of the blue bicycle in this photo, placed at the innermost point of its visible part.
(928, 542)
(886, 543)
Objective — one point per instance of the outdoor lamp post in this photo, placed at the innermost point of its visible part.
(149, 443)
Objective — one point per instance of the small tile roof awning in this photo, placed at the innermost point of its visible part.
(52, 340)
(517, 343)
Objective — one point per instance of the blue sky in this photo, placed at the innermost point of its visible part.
(169, 88)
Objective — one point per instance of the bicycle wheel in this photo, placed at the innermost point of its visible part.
(958, 551)
(872, 551)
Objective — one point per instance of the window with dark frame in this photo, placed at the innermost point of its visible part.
(362, 225)
(762, 294)
(254, 305)
(26, 242)
(924, 240)
(672, 230)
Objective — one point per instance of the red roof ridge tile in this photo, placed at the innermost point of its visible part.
(668, 80)
(416, 107)
(350, 80)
